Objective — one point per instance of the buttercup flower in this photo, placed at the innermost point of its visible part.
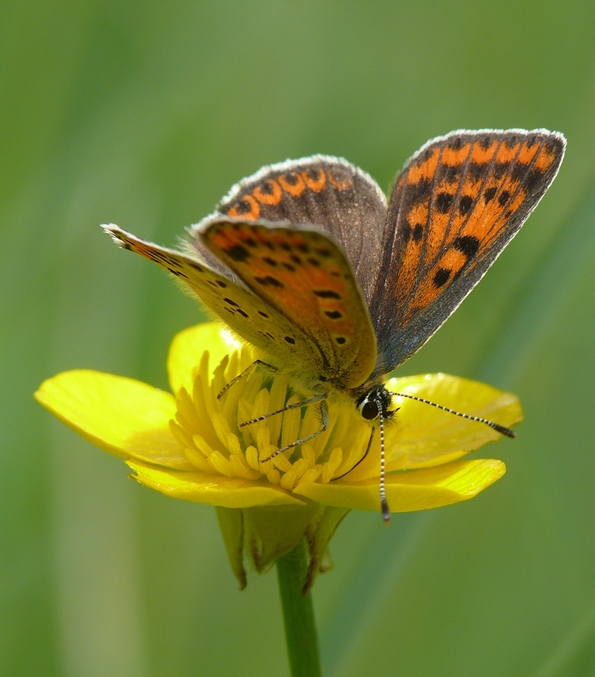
(190, 445)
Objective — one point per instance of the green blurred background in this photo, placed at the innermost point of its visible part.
(145, 114)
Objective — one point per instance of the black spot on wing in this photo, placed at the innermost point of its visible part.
(441, 277)
(243, 207)
(451, 173)
(266, 188)
(489, 194)
(533, 179)
(333, 314)
(500, 168)
(327, 294)
(468, 245)
(419, 192)
(237, 253)
(465, 204)
(475, 171)
(444, 202)
(503, 198)
(291, 178)
(269, 281)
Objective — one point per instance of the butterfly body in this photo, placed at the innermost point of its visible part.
(309, 262)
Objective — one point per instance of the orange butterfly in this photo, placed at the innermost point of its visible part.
(309, 262)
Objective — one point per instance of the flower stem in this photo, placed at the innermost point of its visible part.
(298, 614)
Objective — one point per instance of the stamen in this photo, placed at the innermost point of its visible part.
(274, 476)
(183, 438)
(221, 427)
(220, 464)
(310, 475)
(197, 459)
(252, 457)
(268, 433)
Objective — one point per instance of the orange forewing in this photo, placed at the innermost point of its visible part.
(304, 275)
(477, 207)
(455, 206)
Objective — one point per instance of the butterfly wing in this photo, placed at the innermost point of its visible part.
(328, 192)
(246, 314)
(455, 206)
(305, 276)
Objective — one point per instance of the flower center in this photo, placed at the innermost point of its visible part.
(208, 428)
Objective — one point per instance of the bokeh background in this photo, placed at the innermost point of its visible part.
(144, 114)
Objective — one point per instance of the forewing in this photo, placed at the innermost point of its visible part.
(455, 206)
(328, 192)
(248, 315)
(304, 275)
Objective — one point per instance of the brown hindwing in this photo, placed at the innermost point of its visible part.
(324, 191)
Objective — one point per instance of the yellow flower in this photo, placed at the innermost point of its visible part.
(190, 445)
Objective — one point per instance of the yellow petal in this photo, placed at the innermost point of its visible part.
(428, 436)
(412, 490)
(188, 346)
(200, 487)
(125, 417)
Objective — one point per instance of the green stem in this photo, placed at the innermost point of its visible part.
(298, 614)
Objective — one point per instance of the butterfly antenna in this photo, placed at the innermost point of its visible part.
(496, 426)
(383, 502)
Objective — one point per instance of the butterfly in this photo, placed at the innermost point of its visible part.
(310, 262)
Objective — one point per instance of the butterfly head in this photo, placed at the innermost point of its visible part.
(375, 403)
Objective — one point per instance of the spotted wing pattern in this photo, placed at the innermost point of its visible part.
(248, 315)
(304, 275)
(328, 192)
(455, 206)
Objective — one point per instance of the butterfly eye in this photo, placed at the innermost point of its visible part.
(368, 408)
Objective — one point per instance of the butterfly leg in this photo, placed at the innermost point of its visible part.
(287, 407)
(248, 370)
(318, 399)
